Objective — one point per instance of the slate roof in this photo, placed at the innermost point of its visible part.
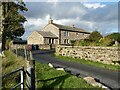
(47, 34)
(69, 28)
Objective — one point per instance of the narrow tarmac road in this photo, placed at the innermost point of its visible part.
(107, 77)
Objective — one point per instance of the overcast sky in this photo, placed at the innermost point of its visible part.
(101, 16)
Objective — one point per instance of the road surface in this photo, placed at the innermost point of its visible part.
(107, 77)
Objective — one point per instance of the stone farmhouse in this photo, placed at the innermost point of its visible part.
(54, 33)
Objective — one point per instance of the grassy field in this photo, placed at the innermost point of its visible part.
(46, 77)
(88, 62)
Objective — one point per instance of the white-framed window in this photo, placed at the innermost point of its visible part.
(66, 33)
(66, 41)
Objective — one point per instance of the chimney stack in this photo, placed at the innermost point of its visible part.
(50, 21)
(73, 25)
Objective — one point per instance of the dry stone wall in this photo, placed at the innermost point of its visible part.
(106, 55)
(39, 46)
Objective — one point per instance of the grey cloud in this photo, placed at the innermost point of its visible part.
(105, 19)
(108, 13)
(59, 11)
(107, 27)
(36, 9)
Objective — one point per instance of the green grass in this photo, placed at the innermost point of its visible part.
(46, 77)
(88, 62)
(50, 78)
(10, 63)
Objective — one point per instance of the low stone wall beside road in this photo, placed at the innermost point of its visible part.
(41, 46)
(106, 55)
(46, 46)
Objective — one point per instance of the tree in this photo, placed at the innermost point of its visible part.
(13, 20)
(95, 36)
(114, 36)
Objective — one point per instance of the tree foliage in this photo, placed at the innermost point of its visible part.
(13, 20)
(95, 36)
(114, 36)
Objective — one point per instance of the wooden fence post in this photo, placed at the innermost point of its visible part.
(25, 53)
(30, 72)
(33, 75)
(16, 50)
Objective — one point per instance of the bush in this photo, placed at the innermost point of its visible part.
(72, 42)
(80, 43)
(76, 43)
(106, 41)
(85, 42)
(93, 44)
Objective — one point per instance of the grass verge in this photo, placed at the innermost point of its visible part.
(50, 78)
(10, 63)
(88, 62)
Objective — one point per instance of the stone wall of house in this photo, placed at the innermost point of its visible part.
(73, 36)
(106, 55)
(35, 38)
(52, 29)
(46, 41)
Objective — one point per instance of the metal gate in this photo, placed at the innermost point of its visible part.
(21, 84)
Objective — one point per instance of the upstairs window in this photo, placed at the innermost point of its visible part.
(66, 33)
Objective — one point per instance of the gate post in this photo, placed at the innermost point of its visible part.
(25, 54)
(30, 72)
(22, 78)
